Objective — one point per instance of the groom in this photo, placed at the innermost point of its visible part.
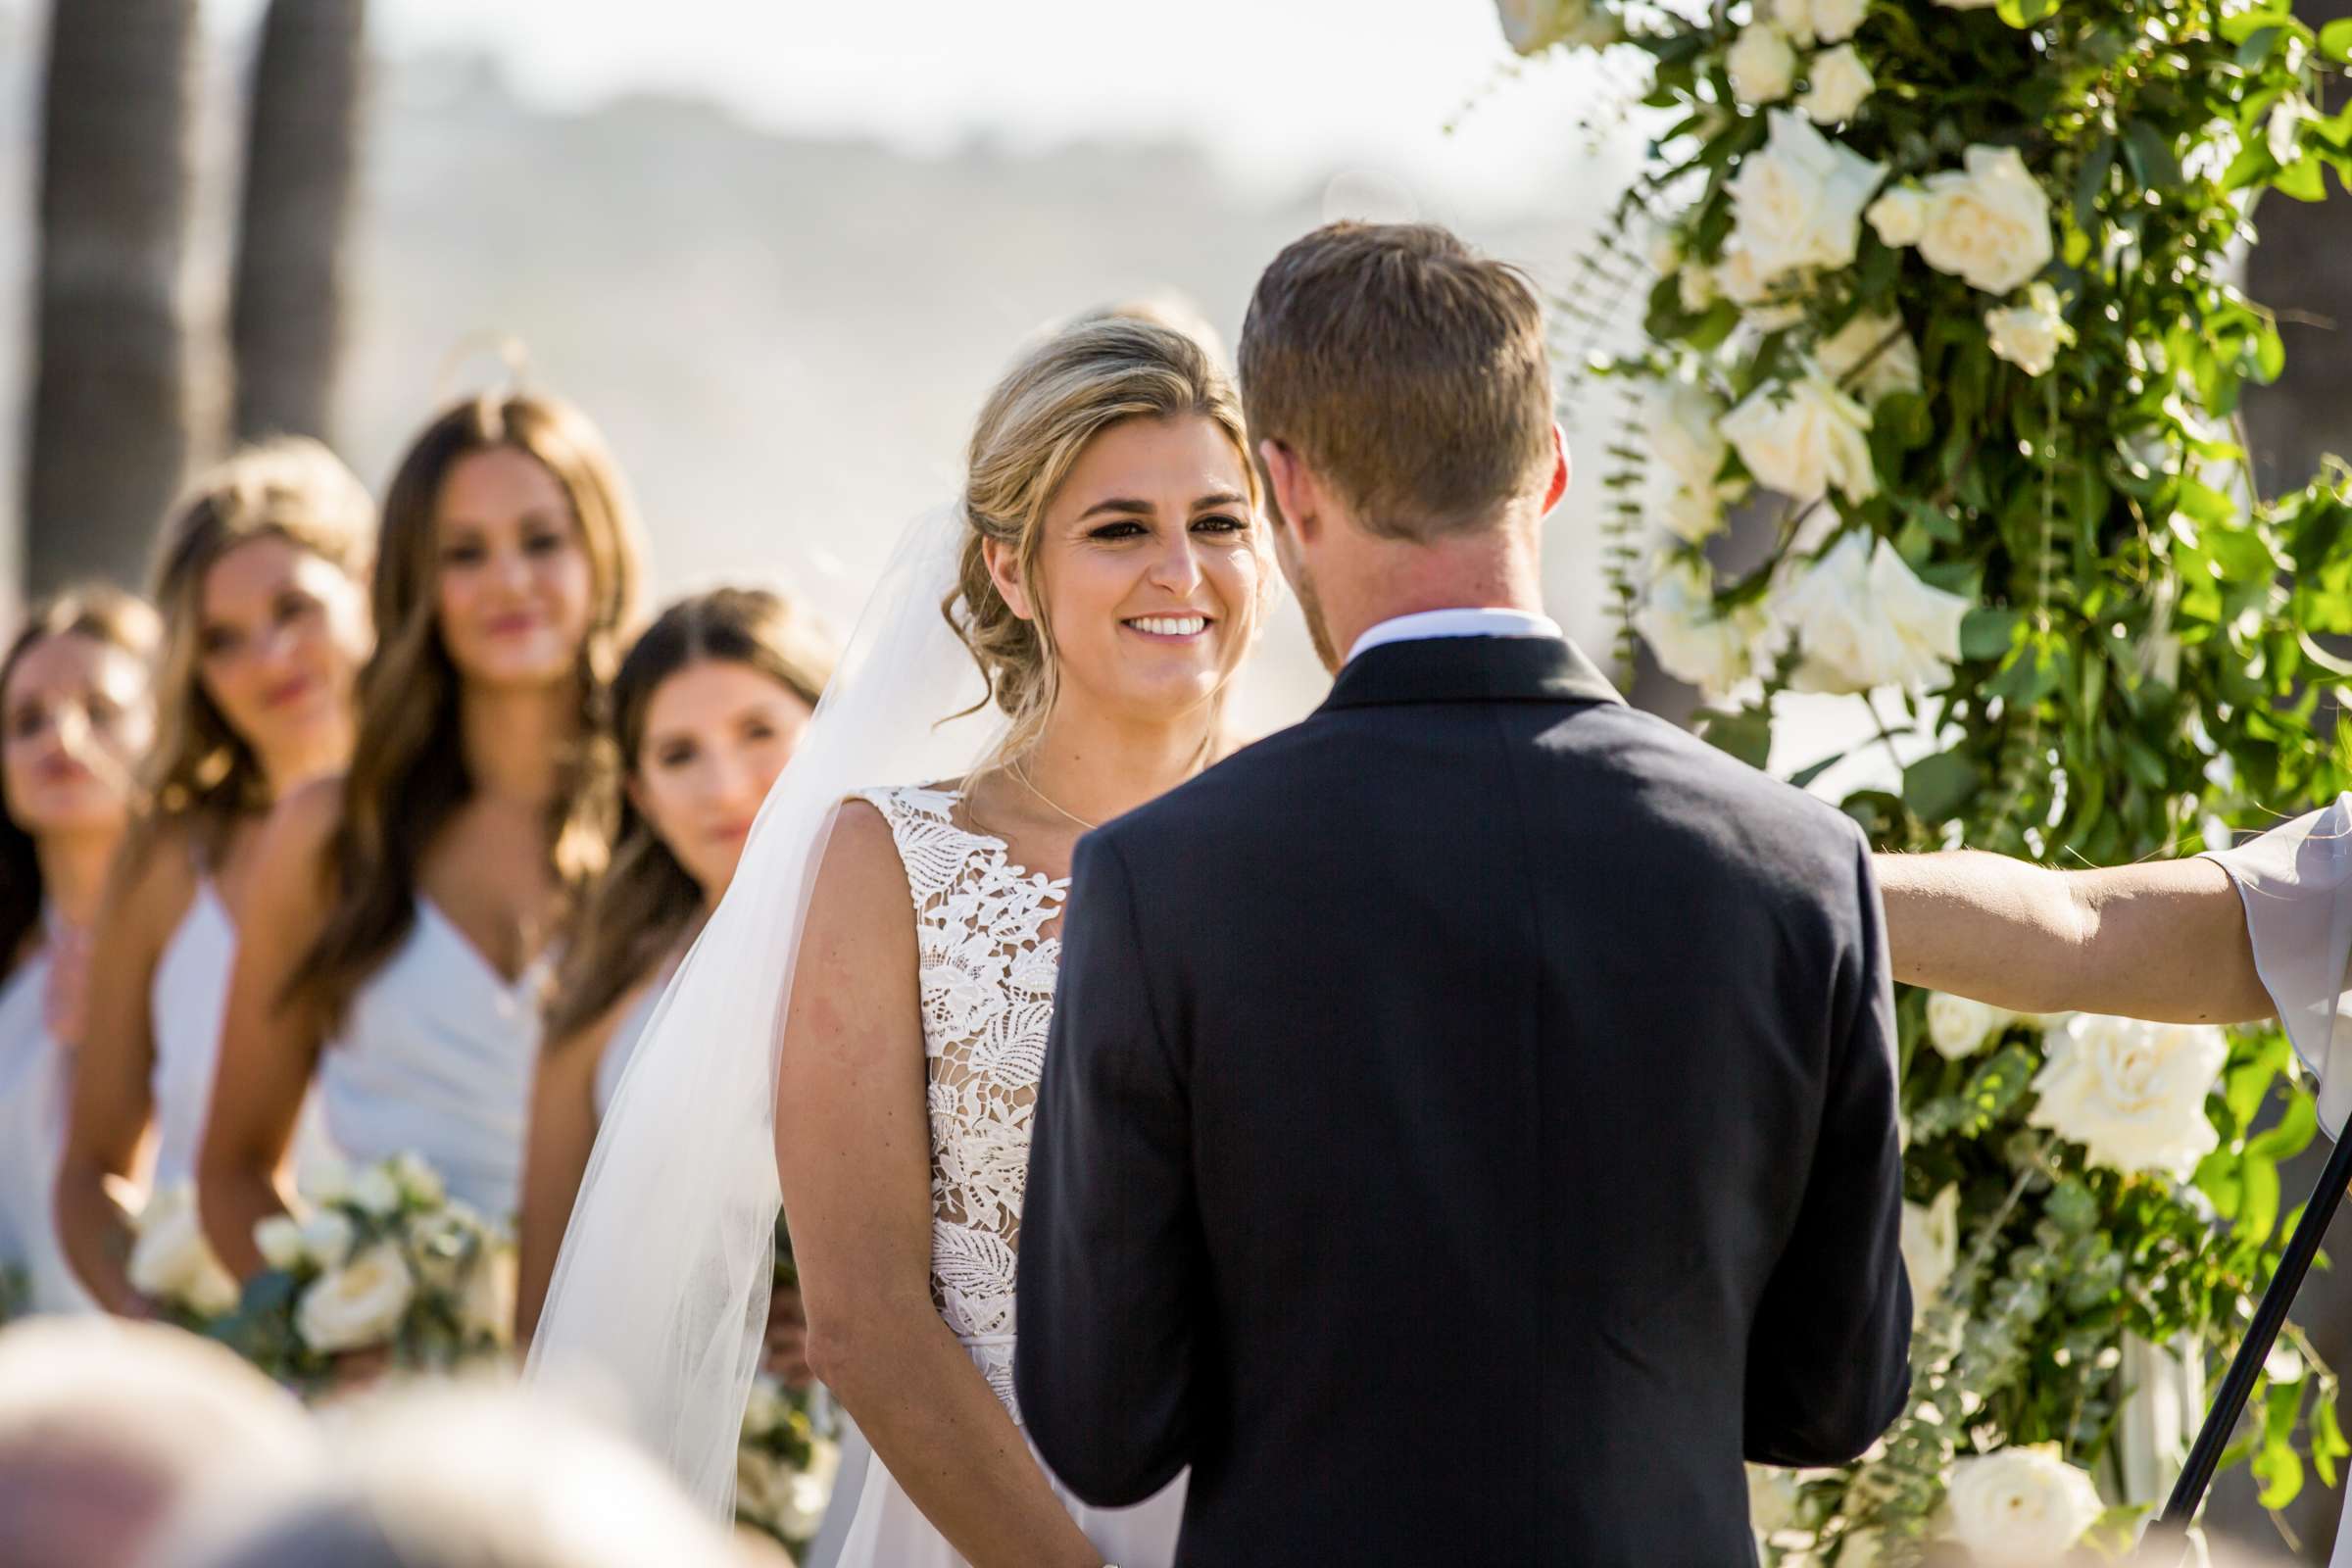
(1469, 1124)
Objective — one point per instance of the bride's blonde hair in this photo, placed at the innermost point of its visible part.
(1040, 417)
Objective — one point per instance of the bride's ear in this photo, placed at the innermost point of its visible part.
(1004, 570)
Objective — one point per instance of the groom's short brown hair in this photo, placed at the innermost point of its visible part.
(1409, 370)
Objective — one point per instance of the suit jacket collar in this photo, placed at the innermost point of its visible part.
(1471, 669)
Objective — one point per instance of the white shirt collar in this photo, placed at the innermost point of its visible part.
(1456, 624)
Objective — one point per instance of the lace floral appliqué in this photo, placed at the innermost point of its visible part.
(986, 978)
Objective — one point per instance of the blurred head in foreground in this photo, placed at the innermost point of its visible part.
(446, 1475)
(113, 1434)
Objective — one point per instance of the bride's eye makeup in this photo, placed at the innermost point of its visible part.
(1126, 528)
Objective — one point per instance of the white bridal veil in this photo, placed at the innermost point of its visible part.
(661, 1290)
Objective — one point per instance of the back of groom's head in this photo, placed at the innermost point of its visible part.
(1406, 369)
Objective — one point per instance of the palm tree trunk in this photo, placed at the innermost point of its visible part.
(109, 403)
(286, 306)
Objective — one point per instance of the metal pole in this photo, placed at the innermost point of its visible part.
(2168, 1538)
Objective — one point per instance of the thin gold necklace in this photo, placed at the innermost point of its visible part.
(1013, 766)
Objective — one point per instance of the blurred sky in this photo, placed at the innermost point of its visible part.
(1279, 90)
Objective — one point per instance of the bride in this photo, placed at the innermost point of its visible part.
(1100, 583)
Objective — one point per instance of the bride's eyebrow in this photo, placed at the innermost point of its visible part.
(1223, 498)
(1121, 505)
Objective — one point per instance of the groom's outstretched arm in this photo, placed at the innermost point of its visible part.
(1829, 1357)
(1111, 1269)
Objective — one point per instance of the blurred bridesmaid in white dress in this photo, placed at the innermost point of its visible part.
(74, 720)
(397, 926)
(260, 577)
(707, 707)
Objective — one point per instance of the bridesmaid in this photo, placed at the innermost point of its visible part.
(74, 720)
(398, 917)
(261, 576)
(708, 707)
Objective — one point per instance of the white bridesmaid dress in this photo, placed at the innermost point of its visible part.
(186, 1004)
(435, 1058)
(33, 1090)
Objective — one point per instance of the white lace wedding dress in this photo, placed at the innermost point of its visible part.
(987, 979)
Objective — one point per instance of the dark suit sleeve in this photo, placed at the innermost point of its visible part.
(1827, 1365)
(1111, 1267)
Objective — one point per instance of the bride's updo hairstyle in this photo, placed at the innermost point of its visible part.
(1060, 396)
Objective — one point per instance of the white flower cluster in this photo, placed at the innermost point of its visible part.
(1860, 617)
(784, 1466)
(383, 1247)
(171, 1264)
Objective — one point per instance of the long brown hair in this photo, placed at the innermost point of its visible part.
(407, 768)
(1030, 433)
(641, 910)
(103, 614)
(203, 774)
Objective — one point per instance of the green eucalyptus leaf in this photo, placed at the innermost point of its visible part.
(1935, 788)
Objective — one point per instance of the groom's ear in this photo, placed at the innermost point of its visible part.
(1292, 488)
(1560, 469)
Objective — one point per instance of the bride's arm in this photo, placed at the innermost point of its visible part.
(2165, 940)
(853, 1156)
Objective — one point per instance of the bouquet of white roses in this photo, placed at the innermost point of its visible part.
(386, 1262)
(171, 1264)
(785, 1467)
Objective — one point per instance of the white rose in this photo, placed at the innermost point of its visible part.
(764, 1411)
(376, 1191)
(487, 1311)
(1883, 371)
(1797, 201)
(418, 1182)
(2029, 335)
(1533, 26)
(1930, 1248)
(327, 1180)
(1990, 224)
(327, 1236)
(1803, 439)
(1836, 21)
(1687, 433)
(2132, 1093)
(1859, 1548)
(1695, 642)
(1866, 621)
(358, 1306)
(280, 1240)
(1794, 19)
(1665, 251)
(1958, 1027)
(1693, 515)
(1899, 216)
(1762, 65)
(1694, 286)
(171, 1261)
(812, 1491)
(1841, 83)
(2019, 1506)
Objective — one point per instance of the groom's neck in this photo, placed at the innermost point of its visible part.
(1380, 579)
